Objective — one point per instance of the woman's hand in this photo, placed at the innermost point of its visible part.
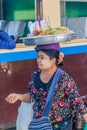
(12, 98)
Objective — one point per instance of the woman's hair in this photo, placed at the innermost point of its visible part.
(53, 54)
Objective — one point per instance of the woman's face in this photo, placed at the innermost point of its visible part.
(43, 61)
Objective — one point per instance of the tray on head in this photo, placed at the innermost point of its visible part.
(47, 39)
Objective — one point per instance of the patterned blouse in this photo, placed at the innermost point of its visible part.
(66, 97)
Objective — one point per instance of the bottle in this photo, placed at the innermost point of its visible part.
(37, 28)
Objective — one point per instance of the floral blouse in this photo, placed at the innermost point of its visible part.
(66, 97)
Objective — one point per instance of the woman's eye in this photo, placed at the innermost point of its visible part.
(42, 57)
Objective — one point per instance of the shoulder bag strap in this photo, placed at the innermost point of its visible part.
(50, 95)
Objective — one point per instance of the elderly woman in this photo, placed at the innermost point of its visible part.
(66, 95)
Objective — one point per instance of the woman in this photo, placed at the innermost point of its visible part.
(66, 95)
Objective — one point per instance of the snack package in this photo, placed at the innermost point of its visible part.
(37, 27)
(44, 25)
(31, 27)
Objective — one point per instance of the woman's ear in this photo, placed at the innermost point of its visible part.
(61, 56)
(54, 60)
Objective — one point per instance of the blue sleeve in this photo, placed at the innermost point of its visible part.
(6, 42)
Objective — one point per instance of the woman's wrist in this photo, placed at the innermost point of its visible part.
(23, 97)
(20, 97)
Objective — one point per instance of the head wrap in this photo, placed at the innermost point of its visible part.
(53, 46)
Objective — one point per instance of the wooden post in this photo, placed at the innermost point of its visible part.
(1, 9)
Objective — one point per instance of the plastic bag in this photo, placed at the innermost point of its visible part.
(37, 27)
(25, 116)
